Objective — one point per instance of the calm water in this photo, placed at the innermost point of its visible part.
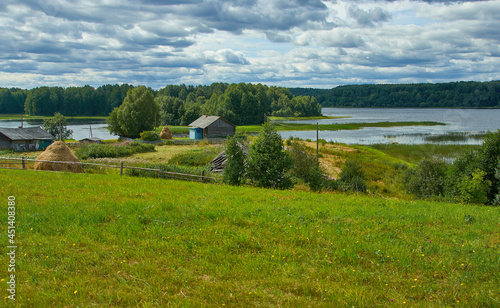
(81, 128)
(457, 120)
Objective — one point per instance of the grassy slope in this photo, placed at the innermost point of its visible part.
(117, 241)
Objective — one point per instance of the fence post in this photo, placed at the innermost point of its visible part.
(24, 163)
(121, 168)
(203, 176)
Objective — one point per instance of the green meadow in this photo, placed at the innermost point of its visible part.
(104, 240)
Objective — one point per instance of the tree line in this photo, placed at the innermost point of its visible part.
(71, 101)
(422, 95)
(240, 104)
(178, 104)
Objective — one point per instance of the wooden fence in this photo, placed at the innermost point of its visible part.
(23, 162)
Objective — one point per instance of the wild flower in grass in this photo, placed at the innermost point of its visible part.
(75, 292)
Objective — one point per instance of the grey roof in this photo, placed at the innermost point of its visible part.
(29, 133)
(205, 121)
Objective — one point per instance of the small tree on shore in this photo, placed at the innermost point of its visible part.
(234, 171)
(57, 126)
(268, 163)
(137, 114)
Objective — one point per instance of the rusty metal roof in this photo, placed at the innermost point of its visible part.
(29, 133)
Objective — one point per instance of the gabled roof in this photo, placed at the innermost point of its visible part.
(205, 121)
(30, 133)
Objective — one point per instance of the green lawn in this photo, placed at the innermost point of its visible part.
(105, 240)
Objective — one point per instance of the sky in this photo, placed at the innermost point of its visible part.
(290, 43)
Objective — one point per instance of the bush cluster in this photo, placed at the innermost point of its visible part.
(112, 150)
(474, 177)
(150, 135)
(194, 158)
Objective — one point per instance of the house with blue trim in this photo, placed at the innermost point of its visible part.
(210, 127)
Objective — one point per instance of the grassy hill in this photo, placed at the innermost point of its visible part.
(106, 240)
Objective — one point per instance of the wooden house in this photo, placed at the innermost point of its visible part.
(210, 127)
(25, 139)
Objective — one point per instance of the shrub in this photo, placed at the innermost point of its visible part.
(428, 179)
(315, 178)
(486, 159)
(268, 163)
(150, 135)
(194, 158)
(305, 166)
(497, 176)
(474, 188)
(352, 177)
(112, 150)
(234, 171)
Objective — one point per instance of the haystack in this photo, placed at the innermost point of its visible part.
(165, 133)
(58, 151)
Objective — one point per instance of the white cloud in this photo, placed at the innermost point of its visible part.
(282, 42)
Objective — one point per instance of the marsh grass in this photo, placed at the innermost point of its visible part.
(306, 118)
(413, 153)
(287, 126)
(102, 240)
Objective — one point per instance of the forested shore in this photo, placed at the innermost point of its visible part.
(461, 94)
(245, 104)
(240, 104)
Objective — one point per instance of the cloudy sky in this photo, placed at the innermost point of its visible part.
(292, 43)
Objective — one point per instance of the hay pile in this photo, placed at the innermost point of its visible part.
(165, 133)
(58, 151)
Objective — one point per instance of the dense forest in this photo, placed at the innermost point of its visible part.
(72, 101)
(423, 95)
(179, 104)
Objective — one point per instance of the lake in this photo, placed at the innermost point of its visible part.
(466, 121)
(80, 127)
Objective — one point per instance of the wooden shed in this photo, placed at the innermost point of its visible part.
(210, 127)
(25, 139)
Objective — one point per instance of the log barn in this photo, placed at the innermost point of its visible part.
(25, 139)
(210, 127)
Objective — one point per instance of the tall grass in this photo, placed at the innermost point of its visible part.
(196, 158)
(415, 152)
(102, 240)
(112, 150)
